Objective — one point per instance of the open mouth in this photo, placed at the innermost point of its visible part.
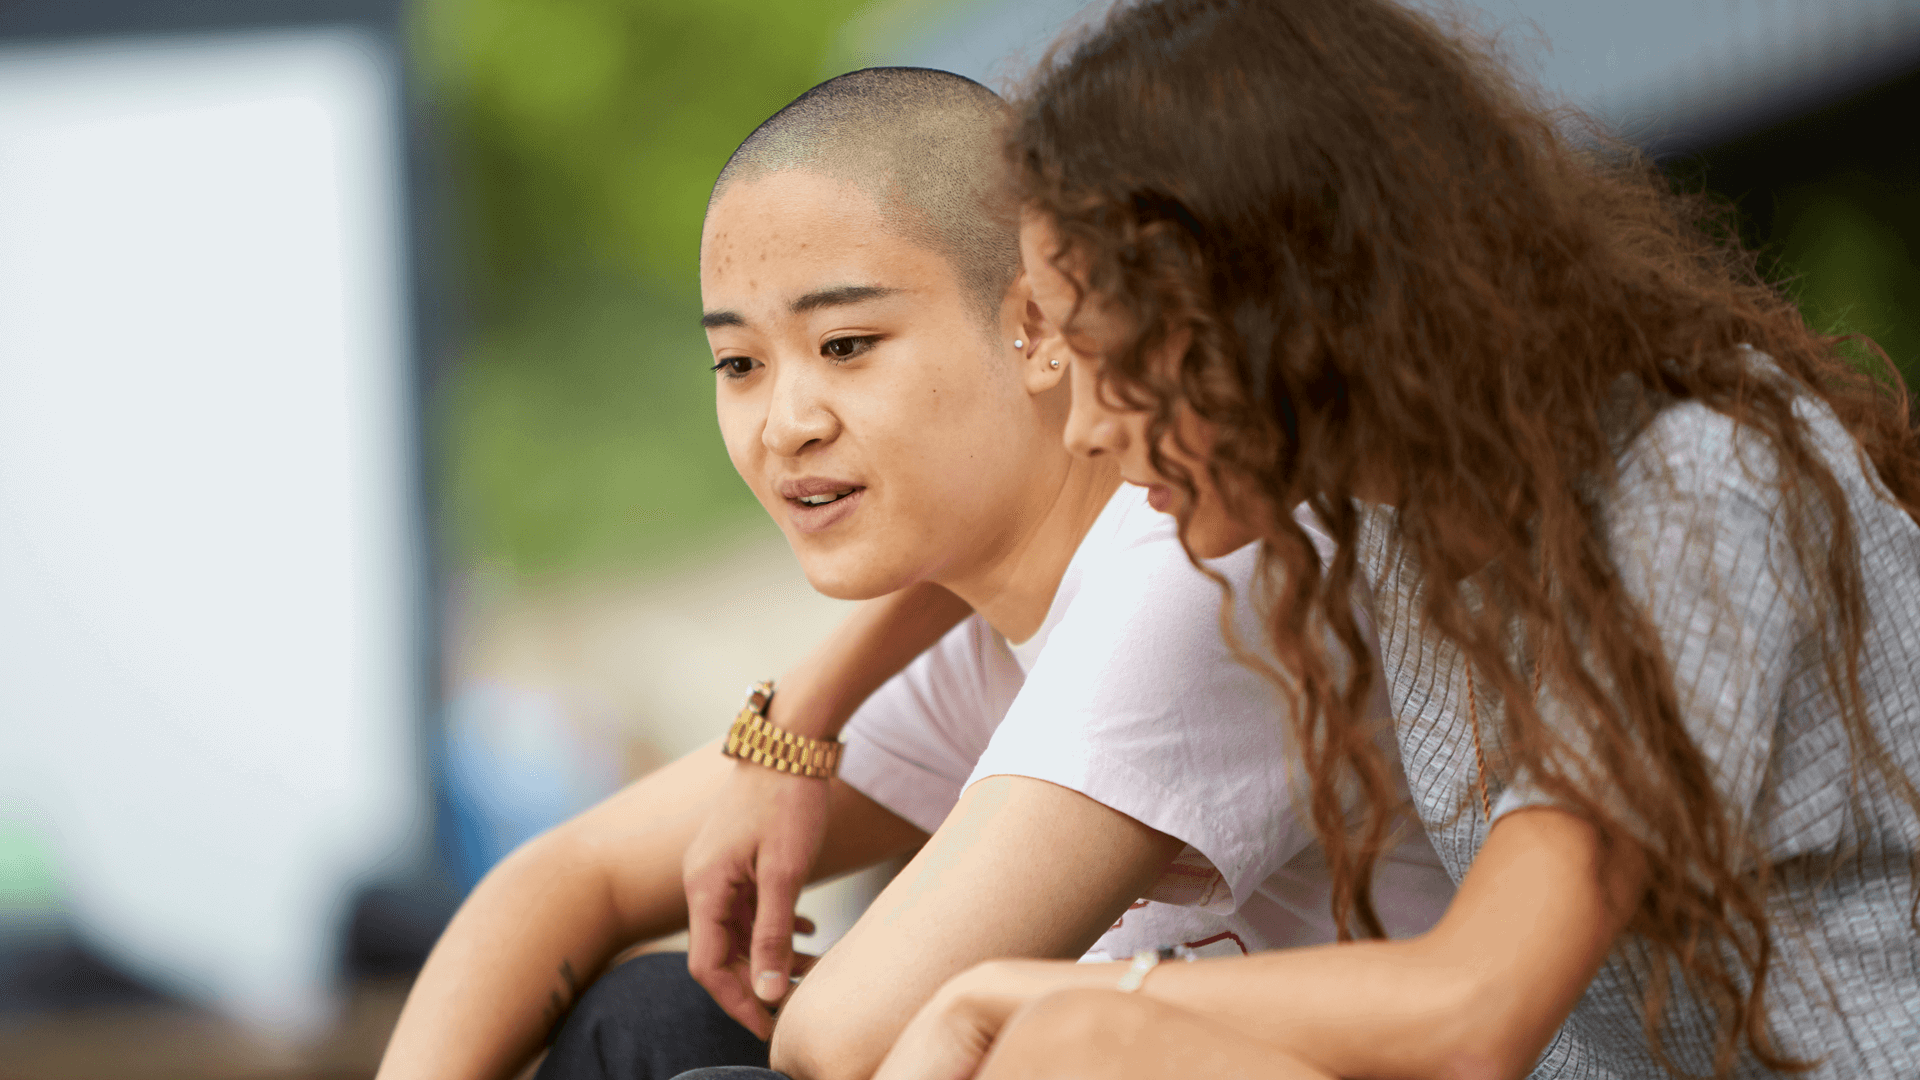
(820, 504)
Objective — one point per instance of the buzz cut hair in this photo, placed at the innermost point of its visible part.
(926, 144)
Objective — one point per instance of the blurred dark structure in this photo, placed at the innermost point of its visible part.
(1830, 196)
(60, 973)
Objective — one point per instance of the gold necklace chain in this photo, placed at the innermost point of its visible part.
(1479, 756)
(1473, 718)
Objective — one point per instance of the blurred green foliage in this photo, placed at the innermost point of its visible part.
(1844, 249)
(583, 136)
(595, 127)
(582, 433)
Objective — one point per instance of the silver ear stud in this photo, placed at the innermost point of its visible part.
(1019, 343)
(1053, 363)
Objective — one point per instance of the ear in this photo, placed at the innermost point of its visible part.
(1042, 353)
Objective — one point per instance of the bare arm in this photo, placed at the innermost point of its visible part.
(883, 635)
(539, 928)
(1478, 996)
(744, 869)
(1020, 868)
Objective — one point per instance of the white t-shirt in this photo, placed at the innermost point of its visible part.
(1129, 695)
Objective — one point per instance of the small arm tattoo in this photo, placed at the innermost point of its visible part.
(560, 1000)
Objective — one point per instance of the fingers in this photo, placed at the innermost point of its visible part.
(938, 1044)
(803, 925)
(707, 944)
(730, 993)
(773, 925)
(738, 1002)
(715, 961)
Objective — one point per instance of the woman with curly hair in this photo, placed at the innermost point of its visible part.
(1639, 548)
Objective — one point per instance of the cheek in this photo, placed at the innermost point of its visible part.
(953, 451)
(740, 423)
(1216, 529)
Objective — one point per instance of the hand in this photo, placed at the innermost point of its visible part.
(952, 1033)
(743, 874)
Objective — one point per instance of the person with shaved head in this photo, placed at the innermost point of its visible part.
(923, 145)
(1037, 693)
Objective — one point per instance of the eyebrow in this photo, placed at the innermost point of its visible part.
(838, 296)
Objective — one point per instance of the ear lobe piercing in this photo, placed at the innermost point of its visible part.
(1019, 343)
(1053, 364)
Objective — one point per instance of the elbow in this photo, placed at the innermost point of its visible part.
(1482, 1063)
(790, 1051)
(1473, 1063)
(814, 1043)
(1480, 1033)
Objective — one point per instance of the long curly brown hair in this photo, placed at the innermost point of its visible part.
(1396, 265)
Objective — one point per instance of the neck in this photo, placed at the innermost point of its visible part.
(1013, 590)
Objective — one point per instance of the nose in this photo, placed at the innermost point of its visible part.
(1092, 428)
(797, 416)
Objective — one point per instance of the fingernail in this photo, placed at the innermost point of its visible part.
(769, 985)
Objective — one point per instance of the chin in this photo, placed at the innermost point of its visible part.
(1209, 537)
(845, 575)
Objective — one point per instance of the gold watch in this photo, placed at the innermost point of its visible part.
(753, 738)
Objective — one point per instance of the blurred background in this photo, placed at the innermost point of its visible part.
(362, 511)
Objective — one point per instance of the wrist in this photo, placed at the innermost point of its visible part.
(797, 708)
(754, 738)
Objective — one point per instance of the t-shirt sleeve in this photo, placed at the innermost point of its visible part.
(1696, 530)
(1137, 703)
(911, 745)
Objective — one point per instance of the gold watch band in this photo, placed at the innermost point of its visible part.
(753, 738)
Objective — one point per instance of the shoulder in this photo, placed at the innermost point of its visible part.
(1144, 587)
(1691, 448)
(1705, 503)
(1695, 472)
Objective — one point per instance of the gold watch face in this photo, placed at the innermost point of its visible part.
(759, 696)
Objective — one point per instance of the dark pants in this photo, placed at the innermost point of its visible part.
(648, 1020)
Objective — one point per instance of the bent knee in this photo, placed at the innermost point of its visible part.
(648, 1018)
(652, 984)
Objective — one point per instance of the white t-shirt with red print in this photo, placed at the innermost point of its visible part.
(1129, 695)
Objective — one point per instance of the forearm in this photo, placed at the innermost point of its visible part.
(881, 637)
(1376, 1009)
(1020, 868)
(541, 925)
(1479, 996)
(528, 941)
(1366, 1009)
(744, 869)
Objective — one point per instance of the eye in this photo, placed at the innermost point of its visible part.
(735, 367)
(846, 348)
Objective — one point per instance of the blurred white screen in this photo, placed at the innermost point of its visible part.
(206, 586)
